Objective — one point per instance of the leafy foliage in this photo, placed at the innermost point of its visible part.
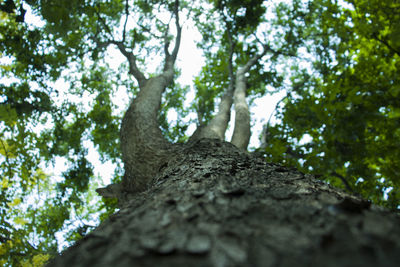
(341, 120)
(39, 125)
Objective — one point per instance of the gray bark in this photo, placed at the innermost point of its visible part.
(143, 146)
(215, 205)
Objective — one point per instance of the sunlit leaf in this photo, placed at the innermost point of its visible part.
(14, 203)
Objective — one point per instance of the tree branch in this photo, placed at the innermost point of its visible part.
(219, 123)
(254, 59)
(344, 181)
(133, 68)
(166, 43)
(267, 125)
(143, 146)
(375, 36)
(231, 51)
(170, 59)
(126, 20)
(216, 128)
(104, 23)
(178, 31)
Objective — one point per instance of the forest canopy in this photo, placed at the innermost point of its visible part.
(337, 62)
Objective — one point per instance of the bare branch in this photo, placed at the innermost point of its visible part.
(133, 68)
(241, 132)
(216, 128)
(254, 60)
(126, 20)
(178, 30)
(272, 113)
(231, 50)
(220, 121)
(171, 58)
(108, 30)
(166, 42)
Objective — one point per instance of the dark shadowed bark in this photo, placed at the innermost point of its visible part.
(214, 205)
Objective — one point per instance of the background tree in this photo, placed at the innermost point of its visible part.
(245, 49)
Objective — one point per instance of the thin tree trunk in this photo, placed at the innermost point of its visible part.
(241, 132)
(214, 205)
(216, 128)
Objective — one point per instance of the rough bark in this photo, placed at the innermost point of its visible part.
(144, 149)
(210, 203)
(215, 205)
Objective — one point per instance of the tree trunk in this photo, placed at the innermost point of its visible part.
(241, 132)
(215, 205)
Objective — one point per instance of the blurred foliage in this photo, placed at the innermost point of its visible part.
(52, 102)
(340, 119)
(60, 97)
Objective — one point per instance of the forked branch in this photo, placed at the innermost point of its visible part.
(170, 58)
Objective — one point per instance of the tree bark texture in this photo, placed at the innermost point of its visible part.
(212, 204)
(144, 149)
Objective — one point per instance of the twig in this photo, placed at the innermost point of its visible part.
(270, 116)
(126, 21)
(104, 23)
(344, 181)
(386, 43)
